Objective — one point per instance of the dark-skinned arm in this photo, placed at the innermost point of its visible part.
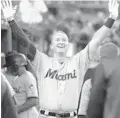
(21, 37)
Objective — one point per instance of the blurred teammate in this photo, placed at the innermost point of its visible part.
(109, 49)
(105, 98)
(86, 88)
(60, 77)
(7, 104)
(25, 88)
(7, 68)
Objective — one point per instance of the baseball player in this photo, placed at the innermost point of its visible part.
(25, 88)
(60, 77)
(105, 98)
(109, 50)
(7, 70)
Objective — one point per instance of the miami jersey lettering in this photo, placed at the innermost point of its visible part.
(53, 74)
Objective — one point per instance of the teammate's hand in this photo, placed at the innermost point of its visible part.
(7, 9)
(113, 9)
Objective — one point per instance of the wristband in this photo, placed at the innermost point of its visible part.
(109, 22)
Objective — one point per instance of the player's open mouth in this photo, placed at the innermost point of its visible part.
(61, 46)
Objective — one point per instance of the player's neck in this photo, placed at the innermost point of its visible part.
(60, 56)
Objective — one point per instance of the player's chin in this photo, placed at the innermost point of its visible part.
(62, 50)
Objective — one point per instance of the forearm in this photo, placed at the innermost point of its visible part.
(103, 31)
(28, 104)
(100, 35)
(18, 33)
(23, 40)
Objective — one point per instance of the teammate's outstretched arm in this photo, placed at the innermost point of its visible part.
(100, 35)
(19, 35)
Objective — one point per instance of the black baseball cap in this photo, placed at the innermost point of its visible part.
(9, 58)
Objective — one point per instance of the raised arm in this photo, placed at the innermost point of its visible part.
(100, 35)
(16, 31)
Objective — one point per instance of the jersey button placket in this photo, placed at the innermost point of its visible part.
(59, 94)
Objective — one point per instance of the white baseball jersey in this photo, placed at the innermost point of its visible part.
(60, 84)
(25, 87)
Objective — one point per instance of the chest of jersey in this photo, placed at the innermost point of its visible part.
(60, 85)
(62, 72)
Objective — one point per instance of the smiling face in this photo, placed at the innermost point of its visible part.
(60, 42)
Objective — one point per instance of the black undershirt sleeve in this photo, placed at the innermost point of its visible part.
(23, 40)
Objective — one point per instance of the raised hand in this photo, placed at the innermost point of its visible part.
(113, 8)
(7, 9)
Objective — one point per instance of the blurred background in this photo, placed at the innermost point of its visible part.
(38, 19)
